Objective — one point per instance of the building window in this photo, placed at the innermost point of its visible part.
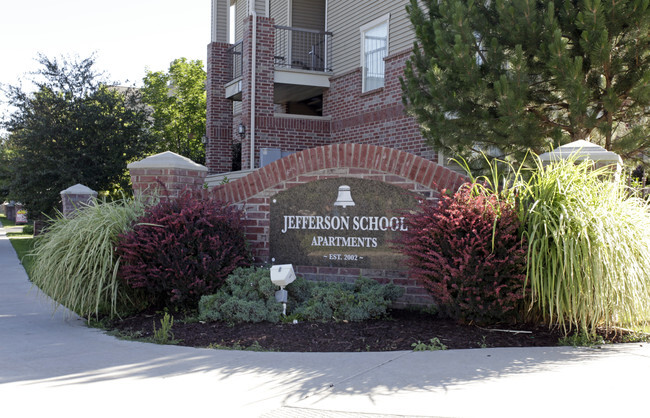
(374, 48)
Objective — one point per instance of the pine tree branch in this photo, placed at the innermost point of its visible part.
(546, 120)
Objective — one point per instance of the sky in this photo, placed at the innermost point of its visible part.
(127, 36)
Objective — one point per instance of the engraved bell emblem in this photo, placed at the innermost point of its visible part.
(344, 198)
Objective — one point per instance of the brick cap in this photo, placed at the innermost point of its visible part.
(167, 159)
(79, 189)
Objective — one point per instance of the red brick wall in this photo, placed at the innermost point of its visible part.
(264, 74)
(218, 154)
(288, 134)
(376, 117)
(254, 192)
(166, 181)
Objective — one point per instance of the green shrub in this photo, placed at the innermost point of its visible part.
(28, 229)
(248, 295)
(75, 263)
(365, 299)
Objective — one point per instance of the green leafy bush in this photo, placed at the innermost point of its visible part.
(28, 229)
(248, 295)
(75, 262)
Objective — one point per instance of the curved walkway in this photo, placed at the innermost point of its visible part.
(54, 365)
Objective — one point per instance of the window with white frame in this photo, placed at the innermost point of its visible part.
(374, 48)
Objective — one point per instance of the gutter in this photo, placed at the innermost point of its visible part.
(253, 86)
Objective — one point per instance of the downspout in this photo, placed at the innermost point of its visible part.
(253, 84)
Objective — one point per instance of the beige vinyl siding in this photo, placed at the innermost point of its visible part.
(260, 7)
(344, 19)
(241, 11)
(308, 14)
(220, 20)
(280, 12)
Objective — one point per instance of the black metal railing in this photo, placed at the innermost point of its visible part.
(303, 49)
(237, 59)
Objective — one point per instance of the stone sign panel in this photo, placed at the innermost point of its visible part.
(339, 222)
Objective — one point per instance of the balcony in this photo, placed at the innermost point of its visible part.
(303, 49)
(302, 62)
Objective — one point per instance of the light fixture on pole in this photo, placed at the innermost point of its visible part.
(282, 275)
(241, 129)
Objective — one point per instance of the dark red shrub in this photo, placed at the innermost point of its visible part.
(474, 268)
(182, 249)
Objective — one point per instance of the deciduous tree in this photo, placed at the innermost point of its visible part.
(178, 99)
(74, 128)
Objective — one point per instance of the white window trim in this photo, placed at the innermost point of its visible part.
(362, 30)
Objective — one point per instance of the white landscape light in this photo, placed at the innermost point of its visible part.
(282, 275)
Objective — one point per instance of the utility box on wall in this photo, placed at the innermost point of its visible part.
(268, 155)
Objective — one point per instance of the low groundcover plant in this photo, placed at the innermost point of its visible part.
(249, 296)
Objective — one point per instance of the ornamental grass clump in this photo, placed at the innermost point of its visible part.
(75, 262)
(182, 249)
(589, 246)
(466, 252)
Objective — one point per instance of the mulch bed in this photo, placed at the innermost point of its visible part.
(397, 333)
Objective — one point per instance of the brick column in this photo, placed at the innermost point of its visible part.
(75, 198)
(264, 74)
(167, 174)
(10, 211)
(218, 148)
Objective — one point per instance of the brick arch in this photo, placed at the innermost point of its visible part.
(399, 167)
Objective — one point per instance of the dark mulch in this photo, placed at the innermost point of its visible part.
(398, 333)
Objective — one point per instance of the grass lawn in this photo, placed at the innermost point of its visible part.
(6, 222)
(22, 243)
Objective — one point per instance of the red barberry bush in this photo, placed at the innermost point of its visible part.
(182, 249)
(466, 251)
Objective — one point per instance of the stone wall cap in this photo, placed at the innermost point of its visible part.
(581, 149)
(167, 159)
(79, 189)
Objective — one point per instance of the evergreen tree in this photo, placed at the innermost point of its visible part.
(504, 77)
(72, 129)
(178, 99)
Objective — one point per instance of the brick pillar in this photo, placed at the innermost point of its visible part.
(218, 148)
(10, 211)
(264, 74)
(75, 198)
(167, 174)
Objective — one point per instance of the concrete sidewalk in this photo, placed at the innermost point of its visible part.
(54, 365)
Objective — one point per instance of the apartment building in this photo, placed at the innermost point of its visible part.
(288, 75)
